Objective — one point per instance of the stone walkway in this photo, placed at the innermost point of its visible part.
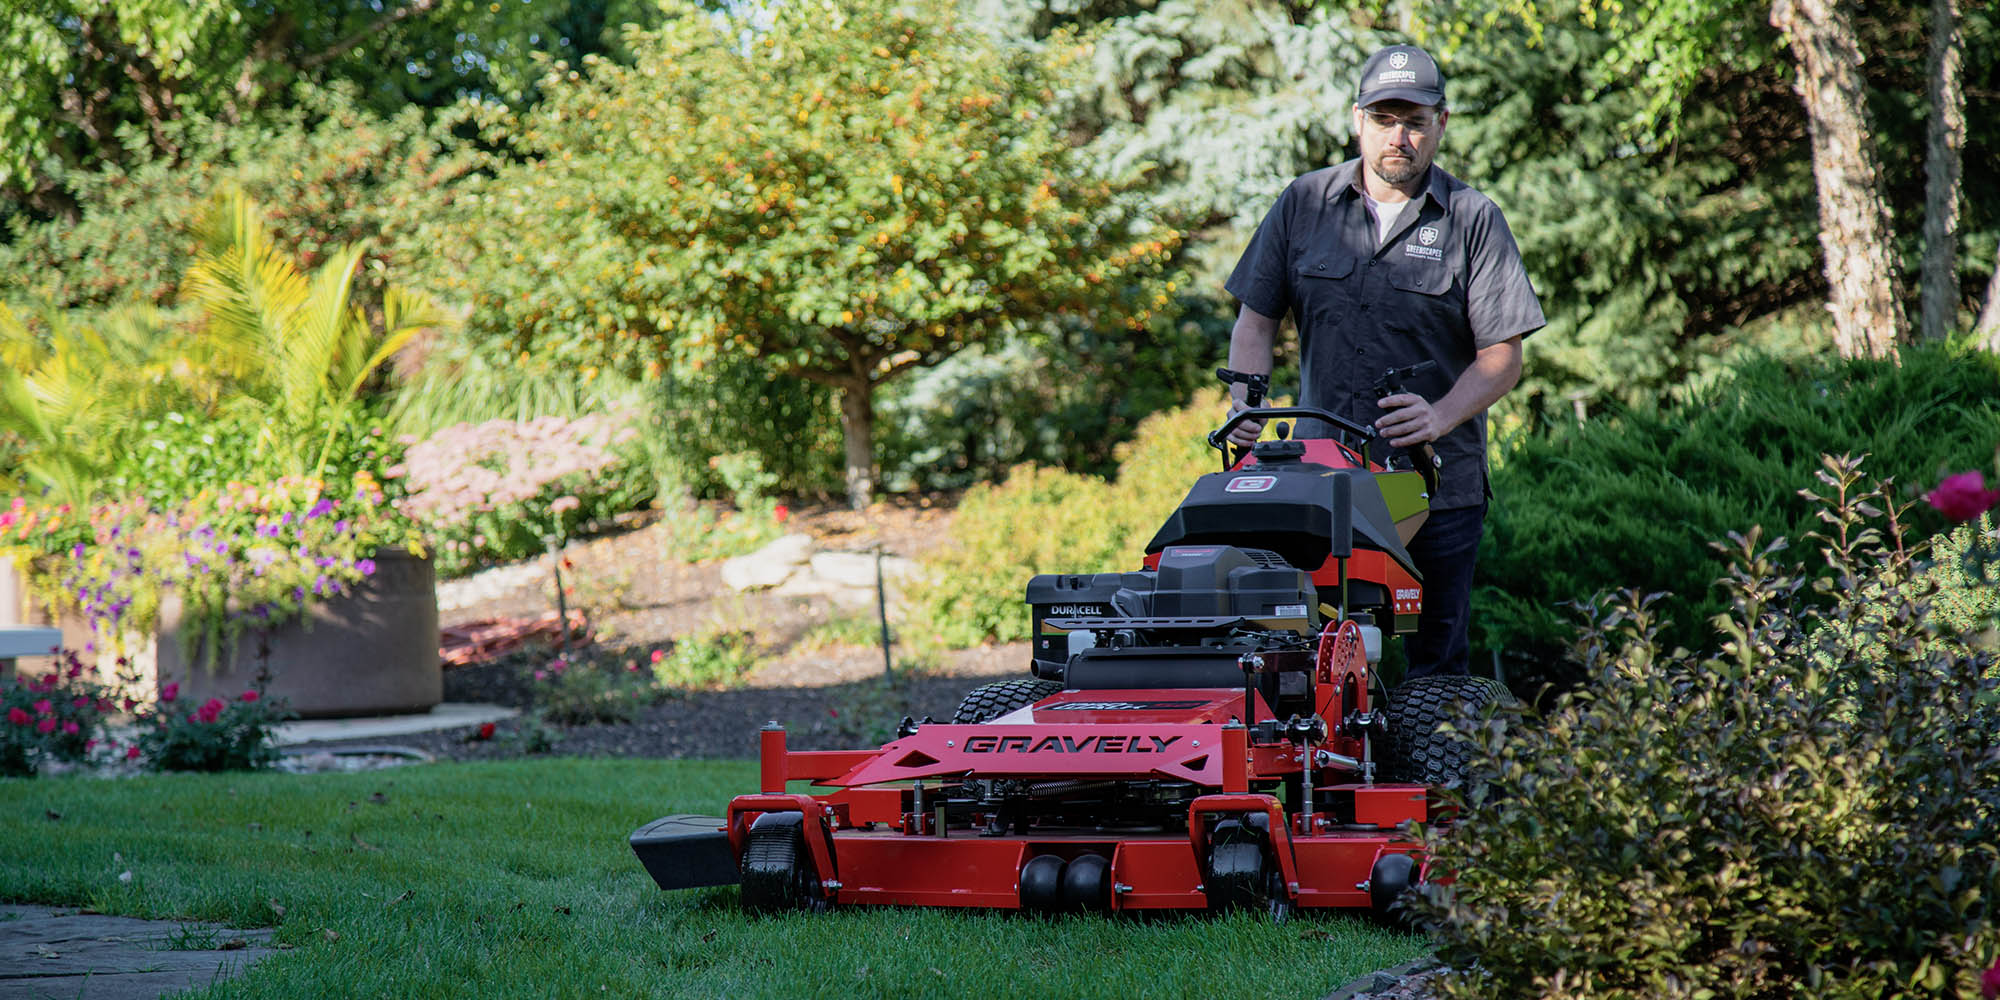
(49, 952)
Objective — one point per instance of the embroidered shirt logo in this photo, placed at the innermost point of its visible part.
(1427, 235)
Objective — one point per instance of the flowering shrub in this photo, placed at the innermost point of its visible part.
(1963, 497)
(241, 557)
(579, 688)
(58, 716)
(1807, 809)
(501, 490)
(216, 735)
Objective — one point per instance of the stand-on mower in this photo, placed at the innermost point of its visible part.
(1201, 733)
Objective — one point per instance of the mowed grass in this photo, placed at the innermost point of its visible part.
(514, 880)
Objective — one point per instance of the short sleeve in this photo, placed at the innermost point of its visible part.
(1263, 276)
(1500, 302)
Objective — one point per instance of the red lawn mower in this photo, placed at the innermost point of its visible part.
(1205, 732)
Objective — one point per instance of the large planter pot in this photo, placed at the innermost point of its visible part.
(372, 652)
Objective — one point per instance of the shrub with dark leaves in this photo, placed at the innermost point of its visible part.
(57, 716)
(1811, 810)
(216, 735)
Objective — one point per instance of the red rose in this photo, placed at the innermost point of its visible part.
(1963, 497)
(46, 726)
(210, 710)
(247, 696)
(169, 692)
(19, 716)
(486, 730)
(780, 513)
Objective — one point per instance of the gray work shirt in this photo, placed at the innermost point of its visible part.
(1447, 282)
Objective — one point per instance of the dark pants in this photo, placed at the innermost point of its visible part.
(1445, 550)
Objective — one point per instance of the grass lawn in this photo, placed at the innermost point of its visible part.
(514, 880)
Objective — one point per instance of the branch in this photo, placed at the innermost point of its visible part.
(382, 23)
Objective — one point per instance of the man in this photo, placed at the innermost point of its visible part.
(1386, 261)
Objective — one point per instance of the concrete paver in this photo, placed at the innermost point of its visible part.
(61, 952)
(445, 716)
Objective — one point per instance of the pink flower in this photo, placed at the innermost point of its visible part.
(19, 716)
(541, 675)
(1963, 497)
(44, 707)
(169, 692)
(1989, 984)
(247, 696)
(780, 513)
(659, 654)
(131, 753)
(210, 710)
(558, 665)
(89, 745)
(70, 728)
(79, 701)
(46, 726)
(563, 503)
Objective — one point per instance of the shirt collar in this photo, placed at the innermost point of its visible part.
(1347, 183)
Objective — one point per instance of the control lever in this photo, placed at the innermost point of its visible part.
(1390, 384)
(1255, 388)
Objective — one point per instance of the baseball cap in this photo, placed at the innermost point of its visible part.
(1400, 73)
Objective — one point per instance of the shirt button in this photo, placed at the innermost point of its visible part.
(1372, 263)
(1322, 267)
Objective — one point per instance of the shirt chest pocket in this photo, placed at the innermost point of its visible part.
(1325, 284)
(1426, 300)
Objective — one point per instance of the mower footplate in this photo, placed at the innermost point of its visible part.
(686, 852)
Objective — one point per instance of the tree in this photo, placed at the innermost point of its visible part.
(1942, 172)
(845, 193)
(97, 82)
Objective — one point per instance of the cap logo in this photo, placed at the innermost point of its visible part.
(1398, 60)
(1427, 235)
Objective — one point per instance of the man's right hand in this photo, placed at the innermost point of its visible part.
(1246, 433)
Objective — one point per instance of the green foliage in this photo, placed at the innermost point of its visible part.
(1630, 499)
(582, 688)
(880, 192)
(60, 716)
(217, 735)
(1810, 810)
(1047, 521)
(328, 175)
(126, 74)
(73, 390)
(717, 658)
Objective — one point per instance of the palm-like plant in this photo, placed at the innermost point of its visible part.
(295, 347)
(73, 386)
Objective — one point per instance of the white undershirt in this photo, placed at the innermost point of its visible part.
(1386, 214)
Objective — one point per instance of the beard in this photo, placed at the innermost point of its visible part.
(1397, 172)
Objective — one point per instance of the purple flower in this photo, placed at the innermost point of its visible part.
(268, 531)
(323, 507)
(366, 566)
(340, 526)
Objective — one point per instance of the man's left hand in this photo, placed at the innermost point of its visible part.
(1410, 421)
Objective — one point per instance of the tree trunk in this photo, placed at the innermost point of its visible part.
(1941, 173)
(1854, 231)
(1987, 333)
(857, 432)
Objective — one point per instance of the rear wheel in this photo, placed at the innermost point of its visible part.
(991, 701)
(1416, 751)
(777, 870)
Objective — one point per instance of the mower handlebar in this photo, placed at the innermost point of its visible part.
(1218, 438)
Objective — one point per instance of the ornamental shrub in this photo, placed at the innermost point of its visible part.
(1811, 808)
(1632, 500)
(57, 716)
(216, 735)
(582, 687)
(507, 489)
(716, 658)
(1044, 520)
